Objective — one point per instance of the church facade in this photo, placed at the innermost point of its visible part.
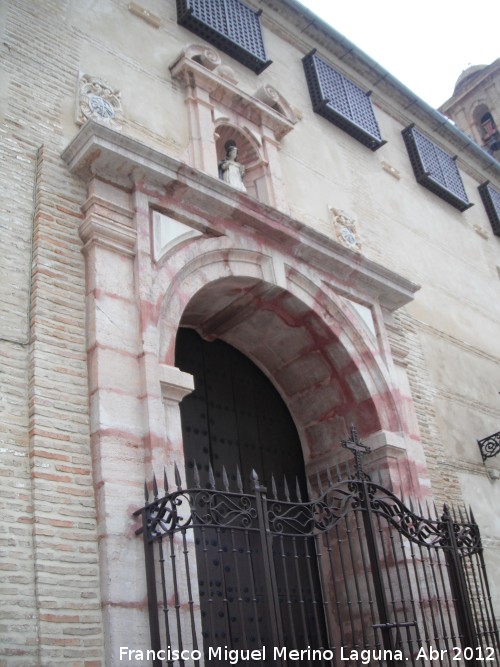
(182, 176)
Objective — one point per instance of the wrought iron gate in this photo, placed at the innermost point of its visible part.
(353, 574)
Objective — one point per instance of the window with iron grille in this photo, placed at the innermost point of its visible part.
(435, 169)
(491, 201)
(342, 102)
(229, 25)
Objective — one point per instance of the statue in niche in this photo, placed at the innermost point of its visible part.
(230, 170)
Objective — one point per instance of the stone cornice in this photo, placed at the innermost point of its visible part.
(98, 151)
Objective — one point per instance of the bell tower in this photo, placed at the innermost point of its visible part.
(475, 105)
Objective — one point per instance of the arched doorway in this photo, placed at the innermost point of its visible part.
(325, 371)
(235, 422)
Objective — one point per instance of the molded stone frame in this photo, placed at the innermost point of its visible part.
(219, 110)
(316, 317)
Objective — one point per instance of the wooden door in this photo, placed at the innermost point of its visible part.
(236, 419)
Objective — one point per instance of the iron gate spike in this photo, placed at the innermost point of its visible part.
(420, 510)
(273, 488)
(239, 481)
(211, 478)
(155, 487)
(329, 476)
(309, 489)
(428, 509)
(285, 488)
(177, 476)
(318, 481)
(225, 480)
(297, 490)
(196, 475)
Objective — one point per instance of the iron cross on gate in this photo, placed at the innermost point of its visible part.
(359, 449)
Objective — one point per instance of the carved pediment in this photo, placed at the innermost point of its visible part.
(202, 67)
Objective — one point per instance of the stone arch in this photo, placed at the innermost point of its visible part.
(486, 126)
(479, 110)
(300, 336)
(248, 145)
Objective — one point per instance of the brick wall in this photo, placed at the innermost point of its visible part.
(444, 480)
(51, 611)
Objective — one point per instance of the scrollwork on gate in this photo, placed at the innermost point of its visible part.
(213, 508)
(425, 531)
(199, 507)
(309, 518)
(171, 513)
(196, 507)
(227, 509)
(352, 540)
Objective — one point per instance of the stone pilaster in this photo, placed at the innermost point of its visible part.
(118, 431)
(175, 384)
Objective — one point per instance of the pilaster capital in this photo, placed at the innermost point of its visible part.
(108, 225)
(386, 445)
(175, 384)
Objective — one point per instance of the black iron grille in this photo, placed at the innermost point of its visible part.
(353, 567)
(491, 201)
(341, 101)
(229, 25)
(435, 169)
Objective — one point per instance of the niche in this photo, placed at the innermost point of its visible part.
(249, 155)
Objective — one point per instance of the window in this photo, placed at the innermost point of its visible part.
(490, 134)
(488, 127)
(229, 25)
(341, 101)
(491, 201)
(435, 169)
